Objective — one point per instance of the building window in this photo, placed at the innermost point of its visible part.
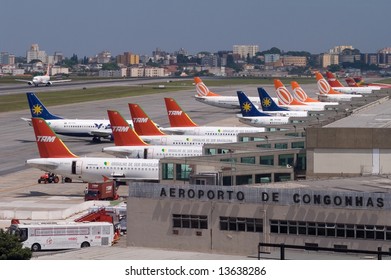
(248, 160)
(298, 145)
(266, 160)
(284, 160)
(183, 172)
(263, 178)
(368, 232)
(241, 224)
(190, 221)
(167, 171)
(281, 146)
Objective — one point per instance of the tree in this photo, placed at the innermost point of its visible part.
(273, 50)
(110, 66)
(11, 248)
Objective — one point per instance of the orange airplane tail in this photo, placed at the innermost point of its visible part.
(284, 96)
(123, 133)
(176, 116)
(202, 89)
(142, 123)
(332, 80)
(323, 86)
(300, 94)
(49, 145)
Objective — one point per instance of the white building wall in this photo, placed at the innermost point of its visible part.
(343, 161)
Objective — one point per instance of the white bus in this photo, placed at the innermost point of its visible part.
(63, 235)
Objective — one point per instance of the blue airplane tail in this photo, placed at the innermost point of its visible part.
(247, 108)
(39, 110)
(267, 102)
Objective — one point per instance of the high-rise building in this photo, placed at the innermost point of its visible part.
(327, 59)
(339, 49)
(245, 50)
(35, 54)
(128, 58)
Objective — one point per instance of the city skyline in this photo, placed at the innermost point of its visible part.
(142, 26)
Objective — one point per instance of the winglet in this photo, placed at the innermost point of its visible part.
(202, 89)
(284, 96)
(323, 86)
(49, 145)
(267, 103)
(332, 80)
(247, 108)
(123, 133)
(176, 116)
(300, 94)
(142, 123)
(37, 109)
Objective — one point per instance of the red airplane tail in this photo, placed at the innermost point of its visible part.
(142, 123)
(176, 116)
(123, 133)
(202, 89)
(49, 145)
(351, 82)
(332, 80)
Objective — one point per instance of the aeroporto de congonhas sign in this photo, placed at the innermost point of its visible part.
(256, 195)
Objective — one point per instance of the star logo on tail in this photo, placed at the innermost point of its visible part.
(266, 102)
(37, 109)
(246, 106)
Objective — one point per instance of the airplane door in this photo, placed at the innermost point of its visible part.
(76, 167)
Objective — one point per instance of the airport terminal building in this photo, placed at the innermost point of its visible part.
(351, 213)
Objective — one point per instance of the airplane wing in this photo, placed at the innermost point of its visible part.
(21, 80)
(59, 81)
(100, 133)
(27, 120)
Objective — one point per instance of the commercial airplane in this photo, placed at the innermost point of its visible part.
(300, 95)
(335, 84)
(151, 134)
(129, 144)
(42, 80)
(57, 158)
(181, 123)
(271, 108)
(327, 93)
(204, 95)
(287, 100)
(252, 116)
(352, 83)
(96, 129)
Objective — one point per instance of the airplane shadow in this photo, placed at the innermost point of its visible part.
(43, 194)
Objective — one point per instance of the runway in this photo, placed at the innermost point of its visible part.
(18, 141)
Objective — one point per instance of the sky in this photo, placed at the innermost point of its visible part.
(86, 28)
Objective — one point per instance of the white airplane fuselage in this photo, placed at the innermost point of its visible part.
(211, 130)
(81, 128)
(153, 151)
(295, 113)
(41, 80)
(336, 97)
(94, 169)
(228, 102)
(186, 140)
(262, 121)
(356, 90)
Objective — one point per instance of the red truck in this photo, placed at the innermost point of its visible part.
(101, 191)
